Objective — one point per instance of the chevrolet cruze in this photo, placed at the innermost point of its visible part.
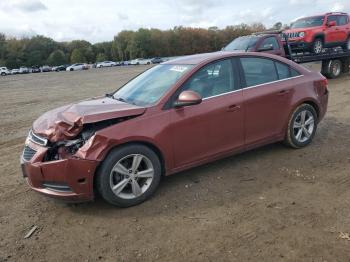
(174, 116)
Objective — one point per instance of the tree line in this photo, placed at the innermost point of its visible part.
(127, 45)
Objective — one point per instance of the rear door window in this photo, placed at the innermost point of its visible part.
(258, 71)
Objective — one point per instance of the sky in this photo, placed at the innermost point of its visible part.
(101, 20)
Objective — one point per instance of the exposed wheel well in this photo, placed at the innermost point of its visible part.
(149, 145)
(314, 105)
(319, 37)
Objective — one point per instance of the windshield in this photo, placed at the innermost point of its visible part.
(150, 86)
(308, 22)
(242, 43)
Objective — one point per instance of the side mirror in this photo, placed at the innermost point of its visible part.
(265, 48)
(188, 98)
(332, 23)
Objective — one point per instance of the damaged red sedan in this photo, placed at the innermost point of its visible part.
(172, 117)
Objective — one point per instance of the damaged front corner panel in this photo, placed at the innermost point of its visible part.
(68, 122)
(94, 149)
(56, 126)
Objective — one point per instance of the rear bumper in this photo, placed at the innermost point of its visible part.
(324, 105)
(67, 179)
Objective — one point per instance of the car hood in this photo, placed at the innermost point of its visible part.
(66, 122)
(297, 30)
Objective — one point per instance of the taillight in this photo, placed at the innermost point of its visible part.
(321, 86)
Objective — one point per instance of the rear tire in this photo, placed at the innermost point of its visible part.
(124, 183)
(302, 127)
(317, 46)
(333, 69)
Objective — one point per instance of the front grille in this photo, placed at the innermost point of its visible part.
(28, 153)
(293, 35)
(37, 139)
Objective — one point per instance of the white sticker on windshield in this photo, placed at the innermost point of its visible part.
(180, 69)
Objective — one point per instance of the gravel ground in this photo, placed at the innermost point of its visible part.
(269, 204)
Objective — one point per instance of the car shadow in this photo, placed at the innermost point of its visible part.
(228, 180)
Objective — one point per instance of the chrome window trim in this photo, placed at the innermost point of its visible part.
(250, 87)
(272, 82)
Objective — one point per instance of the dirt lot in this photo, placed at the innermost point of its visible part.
(270, 204)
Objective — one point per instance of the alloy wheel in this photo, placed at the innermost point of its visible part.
(304, 125)
(131, 176)
(318, 46)
(336, 69)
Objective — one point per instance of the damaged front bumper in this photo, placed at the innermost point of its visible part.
(69, 179)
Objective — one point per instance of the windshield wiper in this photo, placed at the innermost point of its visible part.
(109, 95)
(120, 99)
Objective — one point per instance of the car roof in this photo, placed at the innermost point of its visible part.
(196, 59)
(209, 57)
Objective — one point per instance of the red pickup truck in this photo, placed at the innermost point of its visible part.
(334, 61)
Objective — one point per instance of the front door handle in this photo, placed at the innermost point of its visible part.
(233, 108)
(283, 92)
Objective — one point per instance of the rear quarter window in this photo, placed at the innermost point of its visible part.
(282, 70)
(294, 72)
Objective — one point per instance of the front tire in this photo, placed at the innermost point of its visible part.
(302, 127)
(3, 74)
(317, 46)
(129, 175)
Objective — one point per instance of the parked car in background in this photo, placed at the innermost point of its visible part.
(140, 61)
(157, 60)
(4, 71)
(124, 63)
(317, 32)
(23, 70)
(175, 116)
(106, 64)
(46, 68)
(60, 68)
(76, 67)
(14, 71)
(35, 69)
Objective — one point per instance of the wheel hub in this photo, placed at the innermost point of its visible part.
(131, 176)
(303, 126)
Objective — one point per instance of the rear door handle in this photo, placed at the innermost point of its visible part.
(283, 92)
(233, 108)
